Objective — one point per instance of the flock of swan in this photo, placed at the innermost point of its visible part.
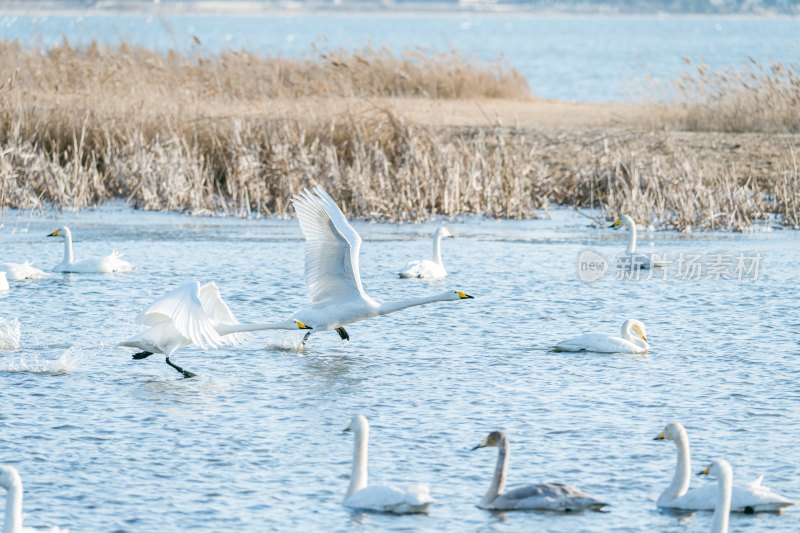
(196, 314)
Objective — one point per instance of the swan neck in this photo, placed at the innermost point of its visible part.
(499, 480)
(722, 510)
(358, 475)
(683, 476)
(227, 329)
(391, 307)
(13, 520)
(68, 257)
(437, 249)
(631, 237)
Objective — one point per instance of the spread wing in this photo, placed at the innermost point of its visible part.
(332, 247)
(217, 310)
(183, 308)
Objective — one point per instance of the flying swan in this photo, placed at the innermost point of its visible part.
(103, 265)
(379, 498)
(429, 269)
(721, 469)
(631, 258)
(750, 498)
(597, 342)
(543, 496)
(20, 271)
(12, 482)
(192, 314)
(332, 275)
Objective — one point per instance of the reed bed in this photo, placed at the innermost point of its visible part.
(206, 135)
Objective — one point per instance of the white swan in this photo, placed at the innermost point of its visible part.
(597, 342)
(749, 498)
(379, 498)
(10, 479)
(104, 265)
(3, 282)
(428, 269)
(544, 496)
(191, 314)
(332, 274)
(632, 258)
(721, 469)
(20, 271)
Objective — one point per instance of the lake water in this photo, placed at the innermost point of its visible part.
(255, 443)
(592, 59)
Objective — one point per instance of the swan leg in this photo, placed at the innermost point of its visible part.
(343, 334)
(142, 355)
(185, 373)
(305, 337)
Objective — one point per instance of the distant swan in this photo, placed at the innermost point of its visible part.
(20, 271)
(631, 258)
(10, 479)
(379, 498)
(428, 269)
(104, 265)
(752, 497)
(597, 342)
(191, 314)
(332, 272)
(721, 470)
(544, 496)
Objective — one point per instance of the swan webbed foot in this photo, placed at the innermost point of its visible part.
(142, 355)
(305, 337)
(343, 334)
(185, 373)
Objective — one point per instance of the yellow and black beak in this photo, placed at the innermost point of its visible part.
(463, 295)
(345, 430)
(54, 234)
(300, 325)
(644, 338)
(705, 472)
(451, 236)
(615, 224)
(660, 436)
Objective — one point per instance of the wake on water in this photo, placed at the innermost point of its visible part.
(9, 334)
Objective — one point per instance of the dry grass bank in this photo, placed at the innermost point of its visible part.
(240, 133)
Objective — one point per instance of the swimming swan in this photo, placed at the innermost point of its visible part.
(10, 479)
(544, 496)
(597, 342)
(191, 314)
(428, 269)
(20, 271)
(721, 469)
(104, 265)
(379, 498)
(631, 258)
(749, 498)
(332, 274)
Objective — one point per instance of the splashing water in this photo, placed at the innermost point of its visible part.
(65, 364)
(9, 334)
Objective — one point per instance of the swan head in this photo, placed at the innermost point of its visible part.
(442, 232)
(639, 328)
(494, 440)
(358, 424)
(718, 469)
(625, 220)
(60, 232)
(9, 477)
(674, 431)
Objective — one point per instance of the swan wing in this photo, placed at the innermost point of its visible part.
(597, 342)
(184, 309)
(387, 499)
(216, 308)
(423, 269)
(550, 496)
(750, 497)
(332, 247)
(20, 271)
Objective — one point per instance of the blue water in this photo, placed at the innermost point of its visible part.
(587, 59)
(255, 442)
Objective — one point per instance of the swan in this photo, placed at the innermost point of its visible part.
(191, 314)
(429, 269)
(20, 271)
(104, 265)
(597, 342)
(379, 498)
(332, 274)
(543, 496)
(3, 282)
(631, 257)
(750, 498)
(10, 479)
(721, 469)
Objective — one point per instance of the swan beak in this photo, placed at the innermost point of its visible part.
(452, 236)
(660, 436)
(644, 338)
(463, 295)
(300, 325)
(345, 430)
(615, 224)
(483, 444)
(54, 234)
(705, 472)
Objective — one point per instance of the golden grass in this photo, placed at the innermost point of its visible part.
(240, 134)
